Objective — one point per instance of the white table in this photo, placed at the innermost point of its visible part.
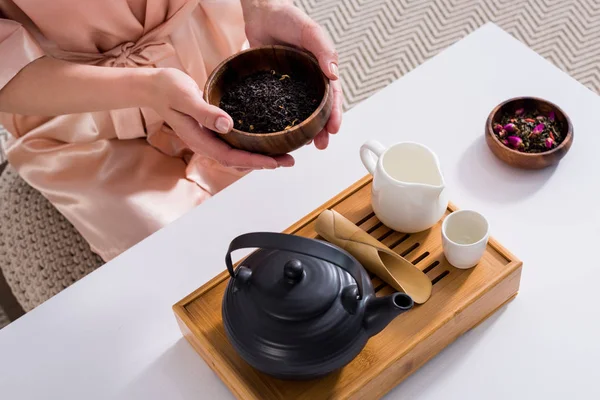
(113, 335)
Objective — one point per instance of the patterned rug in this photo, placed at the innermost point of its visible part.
(379, 41)
(3, 138)
(3, 319)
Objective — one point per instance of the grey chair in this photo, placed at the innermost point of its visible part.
(41, 253)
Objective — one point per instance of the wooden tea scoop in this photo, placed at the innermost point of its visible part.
(377, 258)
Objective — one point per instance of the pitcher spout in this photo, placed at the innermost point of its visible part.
(381, 311)
(432, 192)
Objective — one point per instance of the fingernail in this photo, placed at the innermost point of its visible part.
(333, 68)
(222, 125)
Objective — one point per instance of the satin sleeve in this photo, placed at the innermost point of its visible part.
(17, 49)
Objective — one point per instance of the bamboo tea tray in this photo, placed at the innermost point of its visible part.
(460, 300)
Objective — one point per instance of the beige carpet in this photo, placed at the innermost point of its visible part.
(381, 40)
(378, 41)
(3, 319)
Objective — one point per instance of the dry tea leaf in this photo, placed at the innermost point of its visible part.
(267, 102)
(529, 131)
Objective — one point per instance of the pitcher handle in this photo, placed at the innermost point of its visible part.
(367, 152)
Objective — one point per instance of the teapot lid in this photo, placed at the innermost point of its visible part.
(291, 286)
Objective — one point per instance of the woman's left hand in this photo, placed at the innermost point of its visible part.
(279, 21)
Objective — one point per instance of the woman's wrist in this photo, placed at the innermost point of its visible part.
(143, 86)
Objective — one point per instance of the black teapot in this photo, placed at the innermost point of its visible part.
(300, 308)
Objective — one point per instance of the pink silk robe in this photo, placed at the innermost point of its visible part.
(119, 175)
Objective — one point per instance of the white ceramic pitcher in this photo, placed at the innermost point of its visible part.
(408, 186)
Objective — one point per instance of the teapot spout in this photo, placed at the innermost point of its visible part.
(381, 311)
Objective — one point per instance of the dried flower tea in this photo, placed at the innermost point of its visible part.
(529, 131)
(267, 102)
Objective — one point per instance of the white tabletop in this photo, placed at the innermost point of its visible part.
(113, 335)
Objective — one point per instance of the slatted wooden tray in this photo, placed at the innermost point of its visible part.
(460, 300)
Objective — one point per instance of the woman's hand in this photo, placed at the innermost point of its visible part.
(279, 21)
(178, 100)
(171, 92)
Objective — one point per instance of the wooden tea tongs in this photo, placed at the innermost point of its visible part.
(377, 258)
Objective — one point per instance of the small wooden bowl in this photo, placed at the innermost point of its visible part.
(526, 160)
(285, 60)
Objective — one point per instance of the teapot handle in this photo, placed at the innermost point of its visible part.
(297, 244)
(367, 150)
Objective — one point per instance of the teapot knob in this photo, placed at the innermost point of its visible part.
(242, 277)
(293, 271)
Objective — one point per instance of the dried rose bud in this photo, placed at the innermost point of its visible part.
(540, 118)
(515, 142)
(505, 142)
(552, 136)
(551, 116)
(497, 128)
(502, 133)
(519, 111)
(510, 128)
(538, 129)
(549, 143)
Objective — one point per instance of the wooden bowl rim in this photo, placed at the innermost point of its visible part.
(302, 53)
(490, 130)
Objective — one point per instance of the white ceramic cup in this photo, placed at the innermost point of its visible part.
(465, 235)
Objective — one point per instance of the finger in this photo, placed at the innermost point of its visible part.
(244, 159)
(322, 140)
(296, 28)
(205, 114)
(188, 129)
(314, 39)
(335, 119)
(285, 160)
(202, 141)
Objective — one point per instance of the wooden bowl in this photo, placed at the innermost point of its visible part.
(285, 60)
(528, 160)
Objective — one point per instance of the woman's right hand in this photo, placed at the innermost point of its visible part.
(178, 100)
